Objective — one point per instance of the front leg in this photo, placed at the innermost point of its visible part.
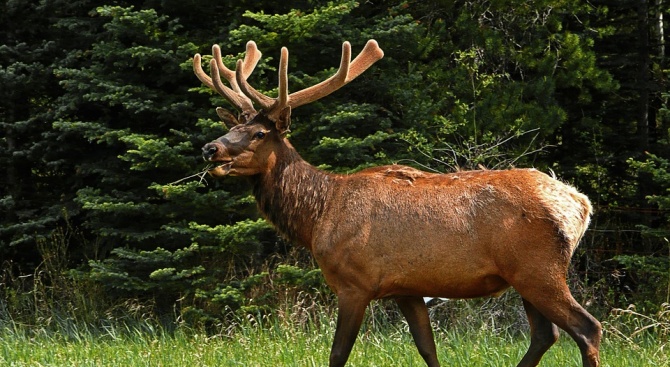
(416, 312)
(351, 309)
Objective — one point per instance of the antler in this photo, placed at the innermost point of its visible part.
(217, 68)
(242, 94)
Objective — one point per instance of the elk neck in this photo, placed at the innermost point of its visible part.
(292, 195)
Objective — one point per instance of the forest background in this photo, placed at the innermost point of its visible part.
(101, 117)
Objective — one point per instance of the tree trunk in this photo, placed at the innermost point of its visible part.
(13, 188)
(643, 75)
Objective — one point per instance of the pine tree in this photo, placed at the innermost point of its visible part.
(35, 188)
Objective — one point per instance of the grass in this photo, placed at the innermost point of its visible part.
(282, 344)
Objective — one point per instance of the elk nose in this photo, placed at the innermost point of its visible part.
(209, 150)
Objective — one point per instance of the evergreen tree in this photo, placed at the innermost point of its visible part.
(35, 188)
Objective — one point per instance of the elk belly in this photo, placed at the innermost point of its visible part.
(443, 283)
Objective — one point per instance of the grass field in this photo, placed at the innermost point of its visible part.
(290, 345)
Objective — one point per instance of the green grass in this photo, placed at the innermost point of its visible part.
(290, 345)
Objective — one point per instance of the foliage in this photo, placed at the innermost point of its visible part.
(651, 272)
(102, 117)
(483, 51)
(659, 170)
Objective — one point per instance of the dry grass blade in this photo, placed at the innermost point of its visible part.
(202, 174)
(629, 324)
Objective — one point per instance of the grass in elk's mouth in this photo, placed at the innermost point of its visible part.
(203, 173)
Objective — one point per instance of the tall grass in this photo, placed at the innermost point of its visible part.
(273, 342)
(468, 333)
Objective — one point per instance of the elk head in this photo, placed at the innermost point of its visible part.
(256, 135)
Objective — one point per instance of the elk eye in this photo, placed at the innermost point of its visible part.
(259, 135)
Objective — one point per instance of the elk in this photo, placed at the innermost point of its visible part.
(401, 233)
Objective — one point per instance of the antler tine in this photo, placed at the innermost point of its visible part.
(228, 74)
(264, 101)
(197, 69)
(216, 66)
(268, 103)
(327, 86)
(251, 58)
(234, 95)
(239, 100)
(371, 53)
(347, 72)
(283, 97)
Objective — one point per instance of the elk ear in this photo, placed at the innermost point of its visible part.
(284, 120)
(228, 118)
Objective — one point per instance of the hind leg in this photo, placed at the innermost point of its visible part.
(557, 305)
(543, 334)
(416, 313)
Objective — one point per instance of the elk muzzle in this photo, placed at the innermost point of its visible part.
(218, 154)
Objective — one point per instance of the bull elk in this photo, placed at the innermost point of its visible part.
(398, 232)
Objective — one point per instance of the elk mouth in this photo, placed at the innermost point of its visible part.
(221, 168)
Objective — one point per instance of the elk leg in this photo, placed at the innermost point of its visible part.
(557, 304)
(416, 312)
(543, 334)
(349, 318)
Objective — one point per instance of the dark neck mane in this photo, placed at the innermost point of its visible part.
(292, 196)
